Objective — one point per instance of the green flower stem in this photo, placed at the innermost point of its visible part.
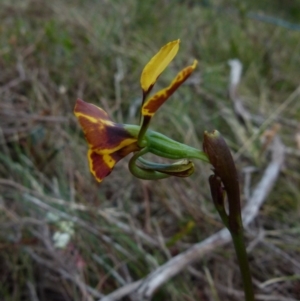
(143, 129)
(162, 146)
(235, 227)
(234, 224)
(241, 253)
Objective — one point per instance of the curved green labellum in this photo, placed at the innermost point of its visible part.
(182, 168)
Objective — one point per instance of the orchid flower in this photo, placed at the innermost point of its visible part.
(109, 142)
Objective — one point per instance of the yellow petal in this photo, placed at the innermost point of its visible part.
(158, 64)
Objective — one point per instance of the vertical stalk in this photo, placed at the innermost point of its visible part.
(241, 253)
(224, 183)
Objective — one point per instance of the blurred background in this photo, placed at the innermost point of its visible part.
(65, 237)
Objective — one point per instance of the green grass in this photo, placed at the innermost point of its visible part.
(50, 54)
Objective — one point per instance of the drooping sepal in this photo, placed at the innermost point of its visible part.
(108, 142)
(101, 165)
(100, 132)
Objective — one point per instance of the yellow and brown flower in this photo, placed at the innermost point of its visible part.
(108, 142)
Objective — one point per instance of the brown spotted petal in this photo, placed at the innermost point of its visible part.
(154, 102)
(101, 165)
(108, 142)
